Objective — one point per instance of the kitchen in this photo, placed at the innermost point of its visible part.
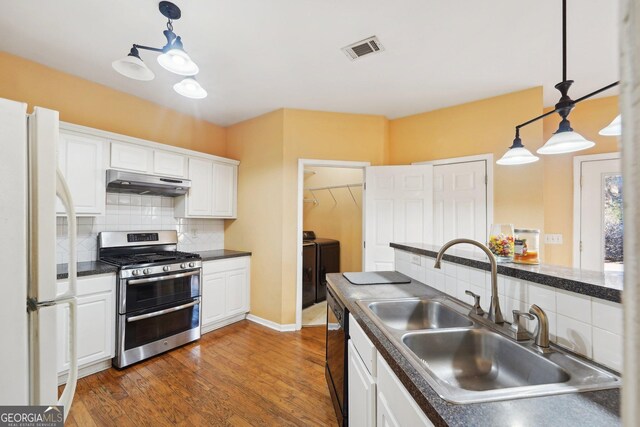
(205, 195)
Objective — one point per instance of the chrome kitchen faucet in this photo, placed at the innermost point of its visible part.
(495, 314)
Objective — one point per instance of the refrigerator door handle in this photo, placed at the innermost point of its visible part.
(62, 190)
(66, 399)
(69, 297)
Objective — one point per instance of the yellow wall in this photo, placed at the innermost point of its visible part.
(341, 220)
(327, 136)
(587, 118)
(258, 145)
(268, 148)
(90, 104)
(481, 127)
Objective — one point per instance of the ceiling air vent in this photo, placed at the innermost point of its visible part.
(363, 47)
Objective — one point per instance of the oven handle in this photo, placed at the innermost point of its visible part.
(161, 312)
(159, 278)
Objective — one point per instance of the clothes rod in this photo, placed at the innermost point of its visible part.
(332, 187)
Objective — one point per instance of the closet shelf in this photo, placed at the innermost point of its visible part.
(315, 201)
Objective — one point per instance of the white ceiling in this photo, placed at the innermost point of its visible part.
(259, 55)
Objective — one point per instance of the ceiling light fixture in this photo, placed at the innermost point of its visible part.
(565, 139)
(190, 88)
(614, 128)
(172, 58)
(517, 154)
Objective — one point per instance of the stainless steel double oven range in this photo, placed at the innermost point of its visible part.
(157, 293)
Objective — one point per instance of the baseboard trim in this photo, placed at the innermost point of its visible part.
(222, 323)
(290, 327)
(85, 371)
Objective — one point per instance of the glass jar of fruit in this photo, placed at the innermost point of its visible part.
(501, 242)
(527, 246)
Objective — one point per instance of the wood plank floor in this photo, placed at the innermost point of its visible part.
(240, 375)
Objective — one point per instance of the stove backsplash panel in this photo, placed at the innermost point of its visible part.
(129, 212)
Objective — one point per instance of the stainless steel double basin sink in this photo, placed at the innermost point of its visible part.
(467, 361)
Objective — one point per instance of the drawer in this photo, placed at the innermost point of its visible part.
(88, 285)
(363, 345)
(221, 265)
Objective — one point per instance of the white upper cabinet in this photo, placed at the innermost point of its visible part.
(131, 157)
(200, 198)
(224, 189)
(169, 164)
(213, 192)
(81, 161)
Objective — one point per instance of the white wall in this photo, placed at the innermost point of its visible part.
(132, 212)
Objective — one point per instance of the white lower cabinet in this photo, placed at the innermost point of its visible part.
(395, 405)
(96, 325)
(225, 291)
(362, 391)
(376, 395)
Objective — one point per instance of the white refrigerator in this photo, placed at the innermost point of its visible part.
(29, 185)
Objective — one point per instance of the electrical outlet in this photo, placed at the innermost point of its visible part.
(553, 239)
(415, 259)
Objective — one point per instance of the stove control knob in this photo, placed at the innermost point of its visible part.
(135, 272)
(192, 264)
(166, 268)
(146, 271)
(183, 265)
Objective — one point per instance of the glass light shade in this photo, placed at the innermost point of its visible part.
(565, 142)
(614, 128)
(177, 61)
(517, 156)
(190, 88)
(133, 67)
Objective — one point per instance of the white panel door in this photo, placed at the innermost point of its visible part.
(237, 292)
(213, 297)
(362, 391)
(224, 182)
(131, 157)
(460, 202)
(200, 198)
(399, 208)
(169, 164)
(601, 215)
(80, 159)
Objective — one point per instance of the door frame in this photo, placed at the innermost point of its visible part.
(302, 164)
(577, 197)
(488, 159)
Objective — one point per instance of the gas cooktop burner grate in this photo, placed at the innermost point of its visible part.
(146, 258)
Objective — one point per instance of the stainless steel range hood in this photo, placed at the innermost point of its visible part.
(139, 183)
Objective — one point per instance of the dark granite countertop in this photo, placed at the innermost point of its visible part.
(596, 408)
(97, 267)
(221, 254)
(89, 268)
(607, 286)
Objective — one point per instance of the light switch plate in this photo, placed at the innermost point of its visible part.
(553, 239)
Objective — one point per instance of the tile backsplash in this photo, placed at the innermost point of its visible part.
(129, 212)
(589, 326)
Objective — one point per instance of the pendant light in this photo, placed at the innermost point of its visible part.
(176, 60)
(172, 57)
(614, 128)
(132, 66)
(517, 154)
(565, 139)
(190, 88)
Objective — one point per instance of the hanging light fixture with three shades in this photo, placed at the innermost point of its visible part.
(565, 139)
(172, 58)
